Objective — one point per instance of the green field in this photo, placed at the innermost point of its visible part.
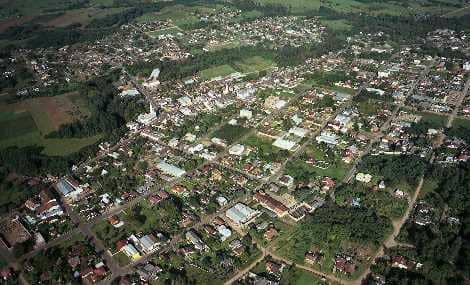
(434, 120)
(254, 64)
(296, 276)
(168, 31)
(221, 70)
(394, 8)
(27, 122)
(16, 124)
(336, 25)
(179, 15)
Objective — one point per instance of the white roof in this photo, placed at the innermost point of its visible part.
(240, 213)
(284, 144)
(237, 149)
(300, 132)
(170, 169)
(327, 137)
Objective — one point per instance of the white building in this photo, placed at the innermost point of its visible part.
(69, 188)
(237, 149)
(241, 214)
(328, 138)
(245, 113)
(284, 144)
(170, 169)
(363, 177)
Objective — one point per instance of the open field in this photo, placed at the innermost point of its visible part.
(51, 112)
(180, 15)
(80, 16)
(254, 64)
(167, 31)
(336, 25)
(221, 70)
(27, 123)
(395, 8)
(434, 120)
(16, 124)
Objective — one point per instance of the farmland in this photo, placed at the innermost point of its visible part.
(28, 122)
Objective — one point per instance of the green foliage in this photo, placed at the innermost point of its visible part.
(330, 226)
(231, 133)
(395, 168)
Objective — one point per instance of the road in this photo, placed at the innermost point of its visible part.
(398, 224)
(456, 109)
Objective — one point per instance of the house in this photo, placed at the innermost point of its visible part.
(148, 243)
(179, 189)
(194, 238)
(399, 262)
(328, 138)
(284, 144)
(344, 265)
(327, 183)
(300, 132)
(245, 113)
(271, 204)
(224, 232)
(274, 268)
(270, 234)
(115, 222)
(312, 257)
(130, 251)
(241, 214)
(210, 230)
(149, 272)
(237, 247)
(287, 181)
(222, 201)
(49, 206)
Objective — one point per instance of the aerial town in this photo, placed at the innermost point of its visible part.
(237, 150)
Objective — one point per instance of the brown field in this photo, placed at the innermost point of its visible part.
(49, 113)
(14, 21)
(82, 16)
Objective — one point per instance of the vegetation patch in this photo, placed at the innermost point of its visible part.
(213, 72)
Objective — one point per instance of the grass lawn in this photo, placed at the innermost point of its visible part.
(435, 120)
(179, 15)
(254, 64)
(461, 123)
(336, 25)
(224, 45)
(221, 70)
(297, 6)
(296, 276)
(167, 31)
(16, 124)
(122, 258)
